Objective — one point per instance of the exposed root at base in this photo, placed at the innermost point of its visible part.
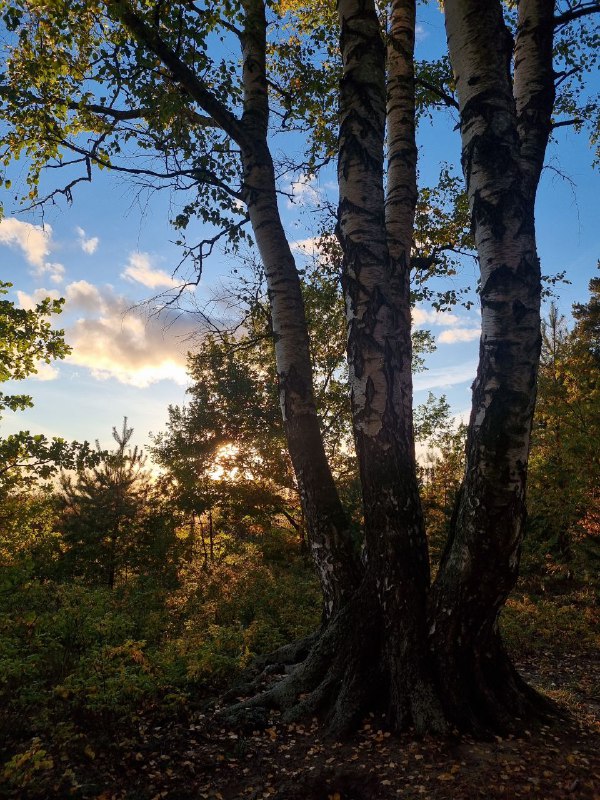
(281, 661)
(346, 675)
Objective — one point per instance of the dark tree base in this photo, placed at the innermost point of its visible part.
(483, 694)
(348, 672)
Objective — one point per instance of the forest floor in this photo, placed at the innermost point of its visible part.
(158, 750)
(196, 757)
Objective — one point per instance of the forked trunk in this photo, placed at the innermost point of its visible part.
(501, 155)
(375, 281)
(379, 650)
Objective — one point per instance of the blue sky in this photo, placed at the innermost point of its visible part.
(111, 250)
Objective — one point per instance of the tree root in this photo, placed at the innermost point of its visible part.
(343, 678)
(281, 661)
(324, 683)
(347, 673)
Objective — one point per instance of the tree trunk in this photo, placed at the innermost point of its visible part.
(376, 649)
(375, 279)
(326, 521)
(480, 564)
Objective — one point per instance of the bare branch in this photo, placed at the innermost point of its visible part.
(576, 12)
(564, 122)
(562, 76)
(205, 176)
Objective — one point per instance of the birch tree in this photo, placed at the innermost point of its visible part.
(113, 75)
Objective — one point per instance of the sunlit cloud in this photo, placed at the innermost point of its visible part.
(122, 342)
(140, 270)
(84, 296)
(34, 242)
(114, 339)
(423, 316)
(29, 301)
(89, 244)
(45, 372)
(453, 335)
(132, 350)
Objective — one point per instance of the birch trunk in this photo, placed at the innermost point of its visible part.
(327, 525)
(375, 280)
(503, 142)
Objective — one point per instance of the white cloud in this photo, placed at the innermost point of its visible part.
(32, 240)
(35, 242)
(454, 335)
(113, 339)
(55, 271)
(421, 316)
(84, 296)
(308, 247)
(89, 244)
(140, 270)
(29, 301)
(445, 376)
(304, 192)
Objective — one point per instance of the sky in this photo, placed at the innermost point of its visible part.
(112, 250)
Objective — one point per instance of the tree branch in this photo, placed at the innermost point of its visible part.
(126, 115)
(198, 175)
(576, 12)
(564, 122)
(195, 87)
(439, 92)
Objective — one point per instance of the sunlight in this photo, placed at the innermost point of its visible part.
(223, 469)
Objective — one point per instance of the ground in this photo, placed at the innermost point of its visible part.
(196, 757)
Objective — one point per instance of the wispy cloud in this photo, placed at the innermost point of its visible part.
(35, 243)
(140, 270)
(307, 247)
(445, 376)
(420, 32)
(89, 244)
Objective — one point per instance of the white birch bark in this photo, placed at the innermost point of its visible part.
(503, 143)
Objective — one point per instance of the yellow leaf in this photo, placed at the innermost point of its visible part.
(445, 776)
(89, 752)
